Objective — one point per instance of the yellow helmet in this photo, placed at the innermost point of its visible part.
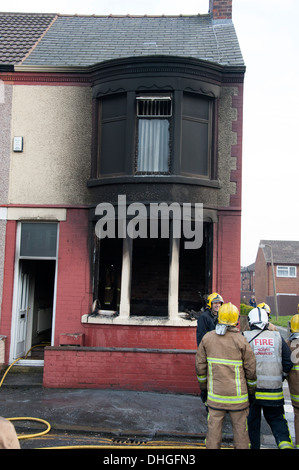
(228, 314)
(214, 298)
(295, 323)
(265, 307)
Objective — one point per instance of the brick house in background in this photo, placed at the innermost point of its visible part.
(247, 283)
(82, 116)
(286, 264)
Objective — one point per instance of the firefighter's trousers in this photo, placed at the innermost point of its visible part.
(274, 415)
(239, 425)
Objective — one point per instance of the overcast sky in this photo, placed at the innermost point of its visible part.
(269, 40)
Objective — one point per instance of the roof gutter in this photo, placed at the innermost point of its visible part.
(128, 60)
(6, 68)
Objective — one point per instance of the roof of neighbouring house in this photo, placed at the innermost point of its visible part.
(81, 41)
(284, 252)
(247, 269)
(19, 33)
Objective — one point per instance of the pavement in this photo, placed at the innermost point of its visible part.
(122, 413)
(115, 413)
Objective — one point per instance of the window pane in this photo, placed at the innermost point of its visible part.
(112, 135)
(196, 106)
(196, 138)
(292, 271)
(195, 148)
(154, 107)
(114, 106)
(38, 239)
(112, 148)
(153, 145)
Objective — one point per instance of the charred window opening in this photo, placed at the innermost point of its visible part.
(192, 284)
(150, 275)
(153, 277)
(110, 273)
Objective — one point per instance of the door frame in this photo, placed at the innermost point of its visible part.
(16, 290)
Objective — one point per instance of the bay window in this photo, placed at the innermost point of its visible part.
(161, 134)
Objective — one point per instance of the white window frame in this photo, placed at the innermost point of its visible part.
(287, 269)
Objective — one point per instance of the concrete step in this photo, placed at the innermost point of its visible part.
(20, 376)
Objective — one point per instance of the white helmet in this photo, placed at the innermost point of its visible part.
(258, 317)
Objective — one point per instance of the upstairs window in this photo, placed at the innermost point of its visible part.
(286, 271)
(135, 135)
(153, 144)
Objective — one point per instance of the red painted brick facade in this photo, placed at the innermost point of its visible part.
(74, 295)
(136, 369)
(133, 336)
(166, 362)
(7, 299)
(227, 254)
(236, 150)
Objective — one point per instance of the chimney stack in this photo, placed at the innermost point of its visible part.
(220, 9)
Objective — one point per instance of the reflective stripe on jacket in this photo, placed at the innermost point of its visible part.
(225, 367)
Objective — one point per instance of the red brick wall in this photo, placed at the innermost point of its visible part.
(8, 283)
(236, 150)
(220, 9)
(140, 336)
(143, 370)
(286, 285)
(260, 278)
(74, 296)
(227, 254)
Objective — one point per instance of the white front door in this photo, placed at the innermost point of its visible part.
(22, 314)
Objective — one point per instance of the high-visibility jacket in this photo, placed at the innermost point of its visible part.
(225, 367)
(293, 377)
(272, 364)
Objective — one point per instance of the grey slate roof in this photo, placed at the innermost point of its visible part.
(19, 32)
(87, 40)
(249, 268)
(284, 252)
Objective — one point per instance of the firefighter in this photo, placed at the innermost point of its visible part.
(266, 307)
(293, 377)
(8, 435)
(208, 319)
(225, 367)
(273, 363)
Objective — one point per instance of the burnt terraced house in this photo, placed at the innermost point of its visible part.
(101, 110)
